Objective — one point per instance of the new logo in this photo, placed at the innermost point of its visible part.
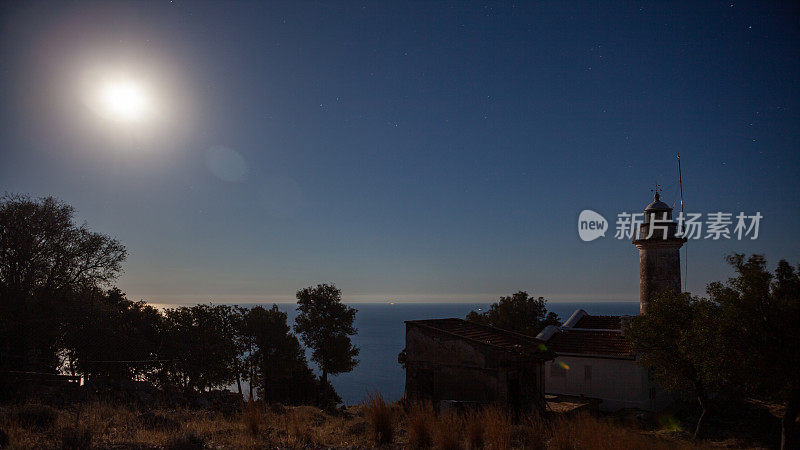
(591, 225)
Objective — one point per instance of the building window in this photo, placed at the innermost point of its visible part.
(557, 371)
(587, 373)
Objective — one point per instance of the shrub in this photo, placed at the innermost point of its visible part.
(380, 416)
(36, 416)
(449, 428)
(498, 428)
(76, 438)
(474, 429)
(187, 440)
(419, 421)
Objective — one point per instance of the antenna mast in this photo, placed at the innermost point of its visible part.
(680, 181)
(683, 228)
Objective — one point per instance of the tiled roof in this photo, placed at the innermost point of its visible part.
(590, 342)
(600, 322)
(496, 337)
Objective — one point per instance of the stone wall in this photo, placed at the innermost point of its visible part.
(659, 269)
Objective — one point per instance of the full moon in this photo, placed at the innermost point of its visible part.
(124, 101)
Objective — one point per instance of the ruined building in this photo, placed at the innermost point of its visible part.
(460, 361)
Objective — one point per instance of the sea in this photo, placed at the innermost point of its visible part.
(381, 336)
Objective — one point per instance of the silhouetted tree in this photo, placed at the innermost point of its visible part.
(200, 345)
(281, 370)
(275, 349)
(46, 263)
(111, 338)
(244, 347)
(758, 316)
(246, 339)
(325, 325)
(743, 340)
(519, 312)
(676, 341)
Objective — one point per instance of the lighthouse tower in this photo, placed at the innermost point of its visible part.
(659, 252)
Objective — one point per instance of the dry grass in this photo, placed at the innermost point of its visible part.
(584, 432)
(499, 428)
(299, 433)
(449, 431)
(339, 431)
(537, 431)
(76, 438)
(252, 416)
(381, 417)
(186, 440)
(35, 416)
(420, 419)
(374, 423)
(474, 429)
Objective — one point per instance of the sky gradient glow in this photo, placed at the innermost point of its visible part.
(422, 151)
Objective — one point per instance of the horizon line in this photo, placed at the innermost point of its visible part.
(183, 300)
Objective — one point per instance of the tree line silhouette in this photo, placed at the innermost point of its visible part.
(60, 313)
(740, 341)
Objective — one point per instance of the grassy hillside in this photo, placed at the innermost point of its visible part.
(372, 424)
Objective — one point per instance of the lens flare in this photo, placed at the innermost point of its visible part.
(669, 423)
(563, 365)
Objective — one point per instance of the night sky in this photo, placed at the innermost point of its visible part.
(422, 151)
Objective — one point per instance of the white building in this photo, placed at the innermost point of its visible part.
(593, 358)
(595, 361)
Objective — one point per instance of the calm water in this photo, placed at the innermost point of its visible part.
(381, 336)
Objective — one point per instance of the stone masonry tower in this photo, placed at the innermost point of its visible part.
(659, 253)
